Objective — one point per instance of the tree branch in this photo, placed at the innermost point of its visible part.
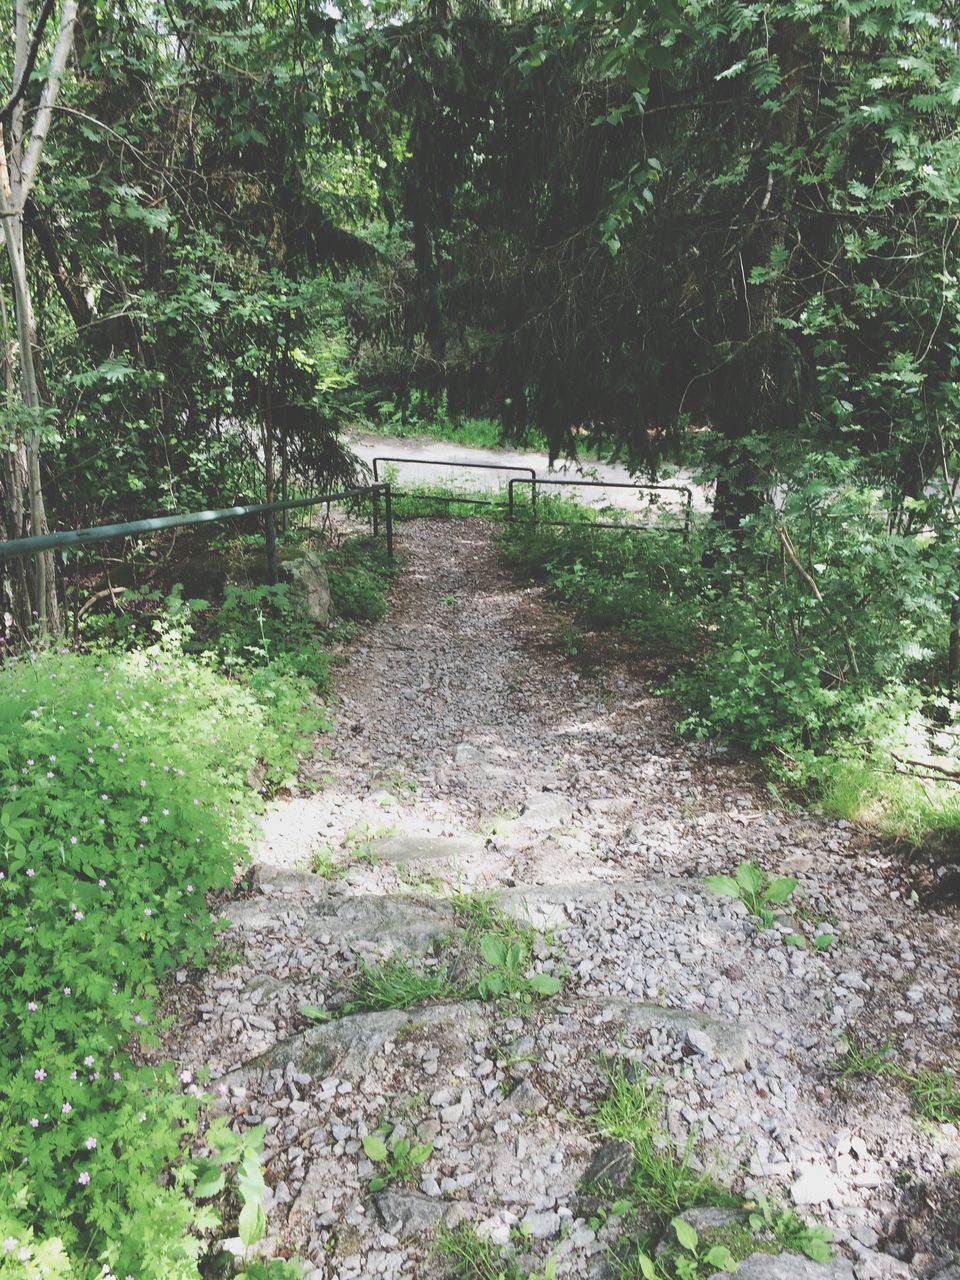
(7, 110)
(802, 573)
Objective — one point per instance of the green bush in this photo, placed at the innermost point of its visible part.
(644, 583)
(359, 580)
(125, 802)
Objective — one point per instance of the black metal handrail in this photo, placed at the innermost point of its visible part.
(537, 481)
(443, 462)
(106, 532)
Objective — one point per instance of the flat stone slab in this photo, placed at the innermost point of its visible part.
(788, 1266)
(727, 1041)
(549, 906)
(398, 922)
(347, 1046)
(408, 849)
(410, 1213)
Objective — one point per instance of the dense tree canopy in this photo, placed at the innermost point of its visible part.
(602, 220)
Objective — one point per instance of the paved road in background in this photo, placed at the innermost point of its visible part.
(426, 452)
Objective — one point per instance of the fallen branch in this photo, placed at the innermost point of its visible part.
(927, 764)
(811, 583)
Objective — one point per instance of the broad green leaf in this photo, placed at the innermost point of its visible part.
(545, 984)
(315, 1012)
(781, 889)
(686, 1235)
(724, 885)
(720, 1256)
(647, 1267)
(749, 877)
(620, 1207)
(252, 1223)
(795, 940)
(421, 1153)
(494, 949)
(375, 1147)
(824, 940)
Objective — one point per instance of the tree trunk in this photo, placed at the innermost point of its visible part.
(45, 595)
(755, 390)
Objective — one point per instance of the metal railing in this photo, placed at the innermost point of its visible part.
(539, 481)
(107, 532)
(529, 473)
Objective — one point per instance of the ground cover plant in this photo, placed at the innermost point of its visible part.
(126, 801)
(668, 1179)
(834, 670)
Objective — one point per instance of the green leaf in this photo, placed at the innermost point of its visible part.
(781, 889)
(720, 1256)
(421, 1153)
(545, 984)
(315, 1012)
(647, 1267)
(620, 1207)
(724, 885)
(749, 877)
(824, 940)
(375, 1147)
(211, 1179)
(795, 940)
(252, 1224)
(686, 1235)
(493, 949)
(377, 1184)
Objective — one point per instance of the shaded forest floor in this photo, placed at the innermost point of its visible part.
(482, 783)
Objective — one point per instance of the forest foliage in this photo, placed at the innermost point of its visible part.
(722, 235)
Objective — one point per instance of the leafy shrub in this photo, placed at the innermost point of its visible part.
(359, 580)
(644, 583)
(125, 802)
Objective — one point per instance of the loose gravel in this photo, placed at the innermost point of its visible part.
(471, 754)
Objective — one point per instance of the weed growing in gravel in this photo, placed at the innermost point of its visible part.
(760, 896)
(398, 984)
(686, 1259)
(857, 1060)
(790, 1232)
(666, 1183)
(322, 864)
(399, 784)
(935, 1093)
(399, 1157)
(359, 842)
(474, 1259)
(507, 975)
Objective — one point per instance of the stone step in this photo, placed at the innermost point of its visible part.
(346, 1047)
(550, 906)
(401, 922)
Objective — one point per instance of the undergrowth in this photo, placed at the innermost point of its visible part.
(838, 686)
(130, 778)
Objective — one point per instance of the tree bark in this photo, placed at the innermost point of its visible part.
(754, 390)
(18, 168)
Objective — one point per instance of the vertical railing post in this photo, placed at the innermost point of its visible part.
(388, 519)
(273, 575)
(375, 509)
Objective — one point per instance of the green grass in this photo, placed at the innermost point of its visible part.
(471, 1258)
(398, 983)
(664, 1180)
(936, 1095)
(935, 1092)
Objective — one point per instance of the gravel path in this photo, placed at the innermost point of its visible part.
(471, 754)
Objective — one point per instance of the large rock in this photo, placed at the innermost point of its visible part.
(412, 849)
(346, 1048)
(309, 587)
(725, 1041)
(788, 1266)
